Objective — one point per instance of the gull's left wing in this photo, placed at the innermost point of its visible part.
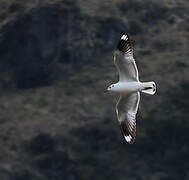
(124, 60)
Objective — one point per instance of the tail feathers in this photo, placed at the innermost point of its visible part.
(149, 88)
(125, 45)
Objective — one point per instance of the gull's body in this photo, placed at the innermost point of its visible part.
(128, 87)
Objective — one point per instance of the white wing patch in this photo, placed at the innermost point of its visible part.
(128, 138)
(124, 37)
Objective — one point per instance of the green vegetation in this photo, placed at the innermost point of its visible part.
(56, 61)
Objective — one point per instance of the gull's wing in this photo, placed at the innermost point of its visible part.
(124, 61)
(126, 110)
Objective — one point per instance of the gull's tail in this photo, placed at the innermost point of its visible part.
(149, 87)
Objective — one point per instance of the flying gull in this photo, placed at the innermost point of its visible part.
(128, 87)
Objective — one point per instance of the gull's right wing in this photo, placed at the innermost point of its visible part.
(126, 110)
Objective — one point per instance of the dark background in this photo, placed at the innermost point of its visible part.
(55, 62)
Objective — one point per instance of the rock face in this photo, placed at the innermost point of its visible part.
(35, 41)
(68, 128)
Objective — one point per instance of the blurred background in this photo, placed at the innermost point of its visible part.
(56, 59)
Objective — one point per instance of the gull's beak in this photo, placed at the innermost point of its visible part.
(105, 91)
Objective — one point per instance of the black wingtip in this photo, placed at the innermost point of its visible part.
(124, 44)
(129, 135)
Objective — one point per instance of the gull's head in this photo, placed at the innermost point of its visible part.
(112, 87)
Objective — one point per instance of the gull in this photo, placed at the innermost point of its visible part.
(128, 87)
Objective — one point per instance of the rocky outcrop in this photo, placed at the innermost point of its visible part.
(35, 41)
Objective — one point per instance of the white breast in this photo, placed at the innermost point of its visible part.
(128, 87)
